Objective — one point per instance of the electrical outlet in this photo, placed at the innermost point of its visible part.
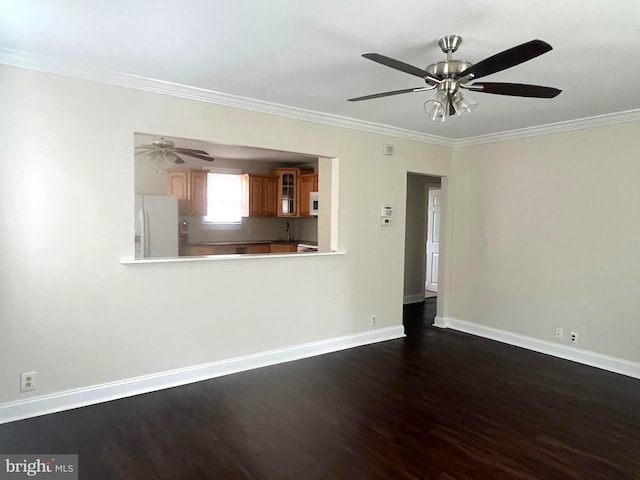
(574, 337)
(373, 319)
(27, 381)
(559, 334)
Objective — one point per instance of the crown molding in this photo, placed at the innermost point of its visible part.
(558, 127)
(46, 64)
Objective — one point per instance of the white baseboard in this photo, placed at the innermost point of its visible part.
(439, 322)
(586, 357)
(66, 400)
(419, 297)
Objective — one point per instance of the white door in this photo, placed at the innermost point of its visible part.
(433, 244)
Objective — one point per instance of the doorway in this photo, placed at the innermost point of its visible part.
(421, 264)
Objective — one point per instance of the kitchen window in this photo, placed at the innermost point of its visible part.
(224, 200)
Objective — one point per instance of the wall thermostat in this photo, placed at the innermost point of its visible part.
(386, 211)
(387, 149)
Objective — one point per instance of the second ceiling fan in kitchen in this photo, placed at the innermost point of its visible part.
(164, 150)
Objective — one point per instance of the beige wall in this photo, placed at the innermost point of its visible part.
(70, 311)
(416, 233)
(547, 234)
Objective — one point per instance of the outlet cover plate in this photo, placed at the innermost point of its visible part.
(27, 381)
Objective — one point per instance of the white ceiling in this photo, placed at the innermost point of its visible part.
(306, 54)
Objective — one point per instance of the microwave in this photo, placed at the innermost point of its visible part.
(313, 203)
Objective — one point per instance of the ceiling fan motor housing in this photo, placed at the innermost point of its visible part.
(446, 69)
(163, 143)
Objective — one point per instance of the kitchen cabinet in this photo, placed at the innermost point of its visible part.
(225, 249)
(259, 248)
(256, 198)
(196, 250)
(239, 248)
(190, 186)
(270, 196)
(212, 249)
(260, 195)
(284, 247)
(308, 184)
(288, 190)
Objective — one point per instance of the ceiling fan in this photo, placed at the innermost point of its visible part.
(162, 149)
(450, 76)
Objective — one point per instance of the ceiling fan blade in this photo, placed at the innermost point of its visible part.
(178, 160)
(143, 151)
(387, 94)
(507, 59)
(146, 146)
(398, 65)
(515, 89)
(190, 150)
(197, 155)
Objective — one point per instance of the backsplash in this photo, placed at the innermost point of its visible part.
(306, 229)
(255, 228)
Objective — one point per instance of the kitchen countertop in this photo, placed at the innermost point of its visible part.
(251, 242)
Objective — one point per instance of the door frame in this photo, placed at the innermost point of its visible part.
(445, 238)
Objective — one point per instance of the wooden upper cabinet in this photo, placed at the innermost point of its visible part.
(256, 202)
(178, 185)
(288, 190)
(308, 184)
(190, 186)
(198, 205)
(287, 199)
(259, 196)
(270, 196)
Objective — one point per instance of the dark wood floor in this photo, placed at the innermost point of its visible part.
(435, 405)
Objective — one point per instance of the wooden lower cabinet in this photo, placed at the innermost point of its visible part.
(284, 247)
(197, 250)
(232, 249)
(225, 249)
(261, 248)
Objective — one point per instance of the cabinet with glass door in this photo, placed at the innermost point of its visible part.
(288, 200)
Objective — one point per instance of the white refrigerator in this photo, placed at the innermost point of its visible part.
(156, 226)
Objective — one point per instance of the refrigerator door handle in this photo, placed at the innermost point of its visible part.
(147, 235)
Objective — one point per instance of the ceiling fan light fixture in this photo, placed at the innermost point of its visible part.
(162, 159)
(436, 108)
(463, 105)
